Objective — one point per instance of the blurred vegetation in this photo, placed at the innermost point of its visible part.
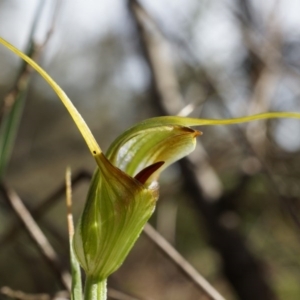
(228, 58)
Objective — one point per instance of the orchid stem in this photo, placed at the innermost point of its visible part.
(95, 290)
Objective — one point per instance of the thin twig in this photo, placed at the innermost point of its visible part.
(55, 15)
(69, 203)
(19, 295)
(182, 263)
(36, 234)
(76, 284)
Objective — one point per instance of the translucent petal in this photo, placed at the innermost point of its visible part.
(141, 147)
(117, 208)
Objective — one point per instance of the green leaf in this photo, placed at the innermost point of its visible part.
(8, 130)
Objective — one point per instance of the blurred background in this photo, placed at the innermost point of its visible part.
(231, 208)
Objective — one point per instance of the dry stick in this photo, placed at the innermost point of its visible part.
(76, 284)
(36, 234)
(21, 295)
(55, 15)
(69, 203)
(182, 263)
(70, 221)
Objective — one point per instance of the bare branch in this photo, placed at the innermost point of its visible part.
(21, 295)
(182, 263)
(36, 234)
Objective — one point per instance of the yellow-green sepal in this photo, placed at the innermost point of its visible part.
(148, 143)
(117, 208)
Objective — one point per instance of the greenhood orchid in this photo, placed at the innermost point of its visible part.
(124, 190)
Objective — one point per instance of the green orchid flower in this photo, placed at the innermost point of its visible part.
(123, 193)
(124, 189)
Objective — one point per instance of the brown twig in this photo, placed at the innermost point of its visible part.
(19, 295)
(36, 234)
(182, 263)
(69, 203)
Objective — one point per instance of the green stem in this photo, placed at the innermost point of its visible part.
(95, 290)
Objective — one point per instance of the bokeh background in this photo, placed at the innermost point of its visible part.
(231, 208)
